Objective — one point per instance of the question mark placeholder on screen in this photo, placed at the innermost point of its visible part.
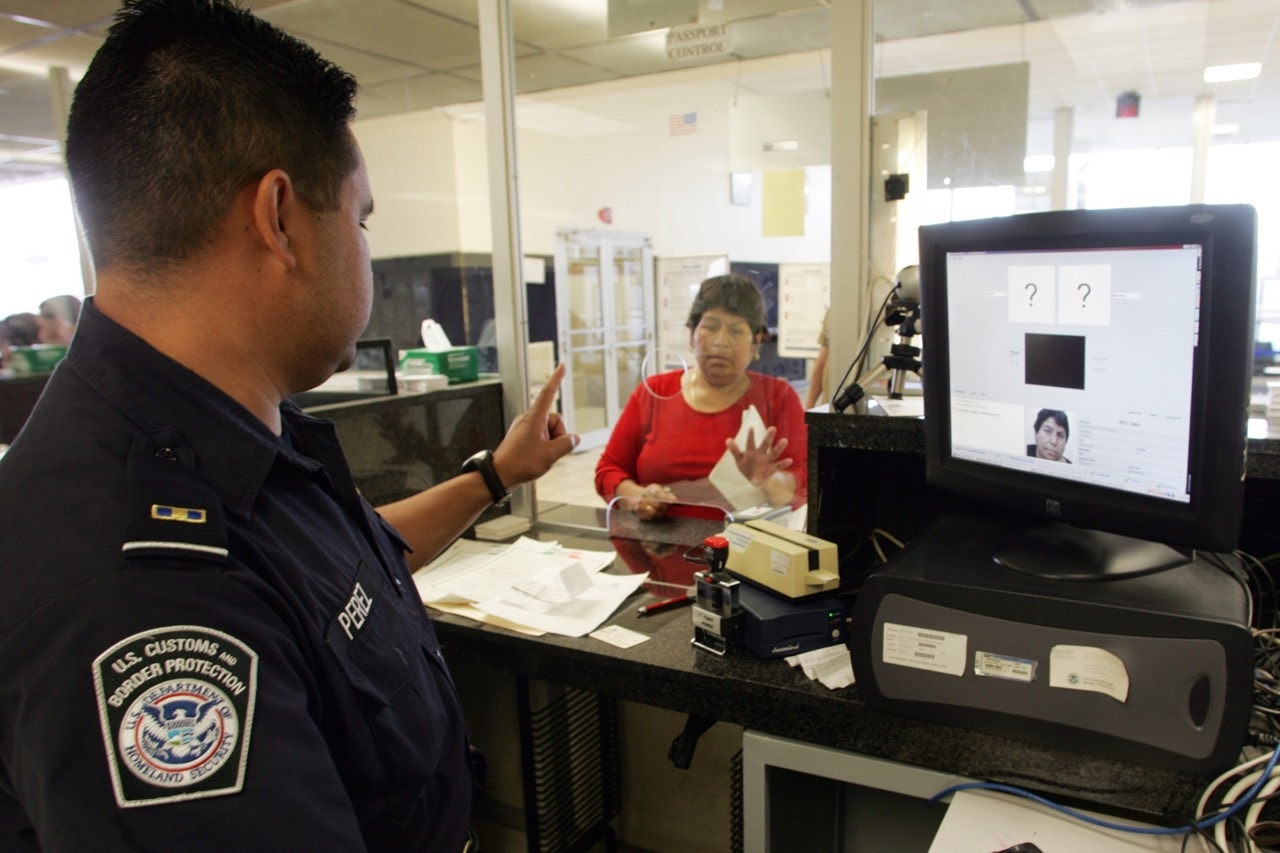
(1032, 294)
(1084, 295)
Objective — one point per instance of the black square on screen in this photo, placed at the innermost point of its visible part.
(1055, 360)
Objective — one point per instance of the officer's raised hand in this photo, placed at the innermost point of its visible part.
(536, 439)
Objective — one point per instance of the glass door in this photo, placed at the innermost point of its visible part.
(605, 301)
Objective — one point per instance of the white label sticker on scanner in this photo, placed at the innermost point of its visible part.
(923, 648)
(1088, 668)
(992, 665)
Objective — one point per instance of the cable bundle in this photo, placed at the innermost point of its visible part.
(1229, 816)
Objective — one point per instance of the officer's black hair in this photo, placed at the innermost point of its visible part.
(187, 103)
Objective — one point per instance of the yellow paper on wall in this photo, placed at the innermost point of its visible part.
(782, 200)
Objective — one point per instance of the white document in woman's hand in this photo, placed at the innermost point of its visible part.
(726, 477)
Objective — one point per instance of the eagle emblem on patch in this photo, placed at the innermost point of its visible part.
(176, 709)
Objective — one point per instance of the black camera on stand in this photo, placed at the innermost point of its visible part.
(903, 357)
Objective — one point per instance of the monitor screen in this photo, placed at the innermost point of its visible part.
(1091, 369)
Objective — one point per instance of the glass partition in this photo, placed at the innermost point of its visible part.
(706, 126)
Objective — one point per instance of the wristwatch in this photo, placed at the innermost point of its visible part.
(483, 462)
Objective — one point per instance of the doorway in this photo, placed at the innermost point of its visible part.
(605, 305)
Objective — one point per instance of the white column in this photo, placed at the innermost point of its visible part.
(511, 318)
(852, 41)
(1064, 122)
(1202, 120)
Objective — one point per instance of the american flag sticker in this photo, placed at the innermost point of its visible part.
(683, 123)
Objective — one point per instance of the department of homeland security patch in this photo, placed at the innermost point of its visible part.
(176, 707)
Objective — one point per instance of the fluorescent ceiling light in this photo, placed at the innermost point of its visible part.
(1230, 73)
(1226, 129)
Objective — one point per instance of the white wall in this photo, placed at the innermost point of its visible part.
(412, 170)
(580, 150)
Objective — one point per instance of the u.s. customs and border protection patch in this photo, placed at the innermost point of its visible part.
(176, 708)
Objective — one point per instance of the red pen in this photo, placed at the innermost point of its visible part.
(665, 604)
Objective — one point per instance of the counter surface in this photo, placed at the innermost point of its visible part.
(773, 697)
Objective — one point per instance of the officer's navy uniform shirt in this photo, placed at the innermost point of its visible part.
(208, 638)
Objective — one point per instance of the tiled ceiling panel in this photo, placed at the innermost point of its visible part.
(416, 93)
(369, 68)
(16, 33)
(912, 18)
(389, 28)
(72, 51)
(64, 13)
(793, 32)
(628, 17)
(538, 72)
(419, 54)
(631, 56)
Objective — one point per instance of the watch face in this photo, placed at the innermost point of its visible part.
(483, 462)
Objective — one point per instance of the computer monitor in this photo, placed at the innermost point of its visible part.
(1090, 369)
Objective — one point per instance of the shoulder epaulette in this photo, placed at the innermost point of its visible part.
(172, 510)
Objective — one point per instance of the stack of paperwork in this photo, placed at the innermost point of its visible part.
(532, 587)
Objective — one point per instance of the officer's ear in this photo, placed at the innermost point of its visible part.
(275, 204)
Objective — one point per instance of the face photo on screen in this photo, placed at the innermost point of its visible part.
(1050, 431)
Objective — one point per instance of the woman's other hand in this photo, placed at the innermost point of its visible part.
(759, 462)
(652, 502)
(764, 465)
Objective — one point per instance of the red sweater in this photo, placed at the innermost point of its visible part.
(659, 438)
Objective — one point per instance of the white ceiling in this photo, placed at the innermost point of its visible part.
(418, 54)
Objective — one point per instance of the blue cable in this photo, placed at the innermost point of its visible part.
(1142, 830)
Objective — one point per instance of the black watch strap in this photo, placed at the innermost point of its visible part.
(483, 462)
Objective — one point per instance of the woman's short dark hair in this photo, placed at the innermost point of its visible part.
(736, 294)
(186, 103)
(1058, 415)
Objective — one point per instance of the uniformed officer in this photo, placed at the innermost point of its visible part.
(209, 639)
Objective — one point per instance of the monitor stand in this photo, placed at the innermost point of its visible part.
(1064, 552)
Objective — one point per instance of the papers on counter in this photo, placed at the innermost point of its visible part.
(616, 635)
(831, 666)
(535, 587)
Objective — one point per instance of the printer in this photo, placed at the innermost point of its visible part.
(1154, 669)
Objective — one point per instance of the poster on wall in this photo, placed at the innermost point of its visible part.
(804, 292)
(678, 279)
(782, 203)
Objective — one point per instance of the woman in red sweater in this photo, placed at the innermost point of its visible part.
(677, 425)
